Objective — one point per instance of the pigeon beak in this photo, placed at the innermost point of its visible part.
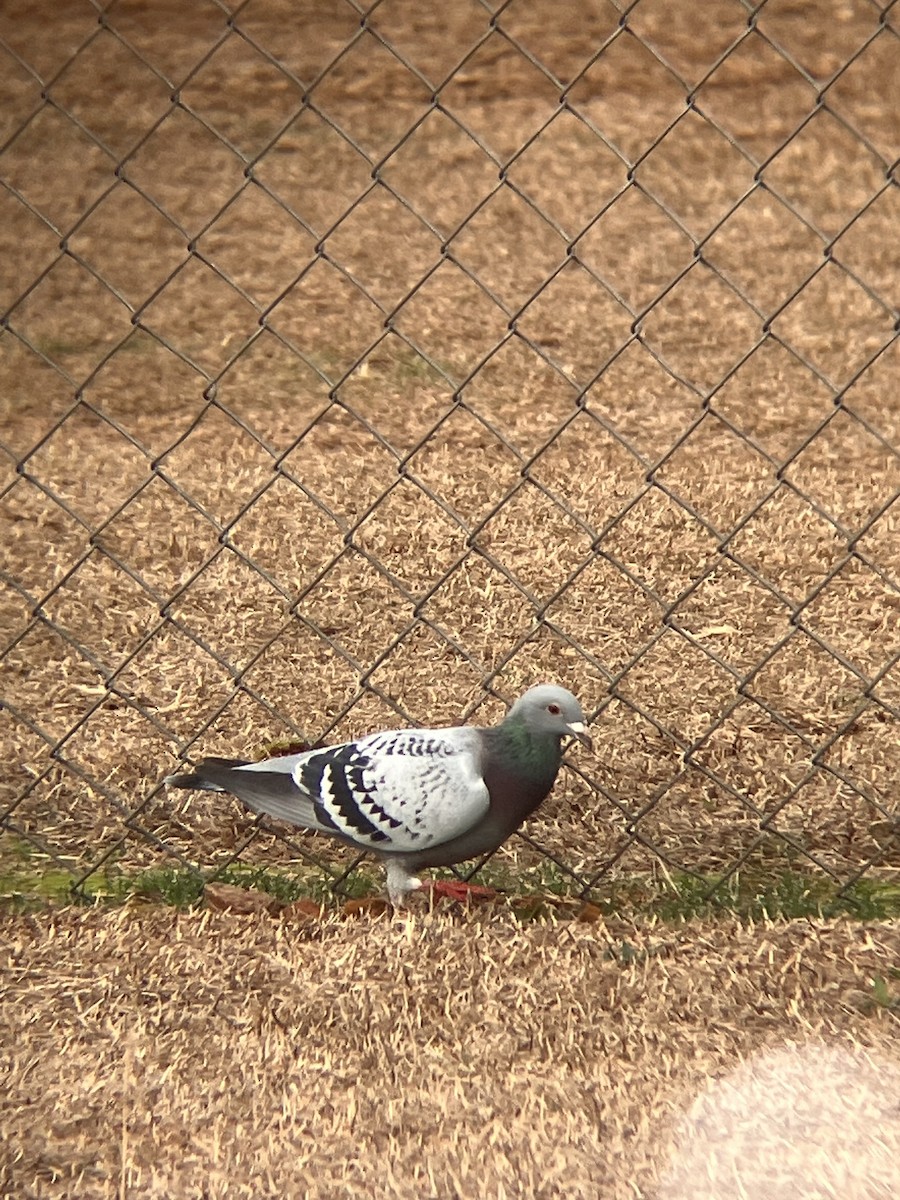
(577, 730)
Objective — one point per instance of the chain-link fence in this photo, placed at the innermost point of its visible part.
(362, 366)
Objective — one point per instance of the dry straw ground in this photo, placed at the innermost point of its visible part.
(416, 490)
(157, 1054)
(423, 427)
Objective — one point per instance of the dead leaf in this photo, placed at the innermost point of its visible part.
(228, 897)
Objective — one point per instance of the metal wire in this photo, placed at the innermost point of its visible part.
(234, 28)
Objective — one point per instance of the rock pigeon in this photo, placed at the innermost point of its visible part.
(414, 797)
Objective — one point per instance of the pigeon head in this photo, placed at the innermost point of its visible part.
(551, 709)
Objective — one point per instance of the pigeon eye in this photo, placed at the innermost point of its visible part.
(554, 709)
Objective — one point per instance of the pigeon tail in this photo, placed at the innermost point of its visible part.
(266, 787)
(198, 781)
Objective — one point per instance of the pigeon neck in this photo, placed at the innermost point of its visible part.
(532, 752)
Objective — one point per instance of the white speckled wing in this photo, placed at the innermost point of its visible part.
(397, 791)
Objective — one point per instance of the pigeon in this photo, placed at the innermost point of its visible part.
(414, 797)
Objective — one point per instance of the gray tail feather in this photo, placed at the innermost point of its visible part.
(271, 792)
(198, 780)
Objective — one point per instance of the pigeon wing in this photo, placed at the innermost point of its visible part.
(391, 792)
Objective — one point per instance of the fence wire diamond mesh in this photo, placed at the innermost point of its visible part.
(364, 365)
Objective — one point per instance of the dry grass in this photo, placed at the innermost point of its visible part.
(427, 419)
(425, 423)
(585, 430)
(403, 484)
(157, 1054)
